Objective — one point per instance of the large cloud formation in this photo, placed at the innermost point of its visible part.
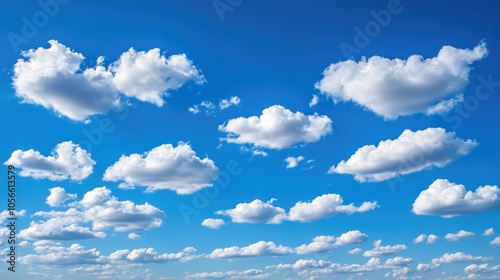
(276, 128)
(98, 208)
(67, 162)
(410, 152)
(54, 78)
(398, 87)
(164, 167)
(447, 199)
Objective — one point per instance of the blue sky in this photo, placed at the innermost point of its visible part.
(252, 139)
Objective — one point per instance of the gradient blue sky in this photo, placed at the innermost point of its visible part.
(273, 55)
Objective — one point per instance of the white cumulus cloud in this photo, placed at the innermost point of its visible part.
(261, 248)
(67, 162)
(58, 196)
(448, 199)
(447, 258)
(213, 223)
(325, 206)
(410, 152)
(495, 241)
(256, 211)
(164, 167)
(292, 162)
(276, 128)
(55, 79)
(379, 250)
(489, 232)
(459, 235)
(399, 87)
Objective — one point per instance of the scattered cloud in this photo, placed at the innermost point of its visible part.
(133, 236)
(314, 101)
(448, 199)
(261, 248)
(396, 87)
(97, 211)
(410, 152)
(213, 223)
(256, 211)
(54, 78)
(58, 196)
(276, 128)
(67, 162)
(210, 108)
(292, 162)
(496, 241)
(379, 250)
(459, 235)
(232, 274)
(325, 206)
(325, 243)
(447, 258)
(52, 253)
(489, 232)
(164, 167)
(430, 239)
(150, 255)
(355, 251)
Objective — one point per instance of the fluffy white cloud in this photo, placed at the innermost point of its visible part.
(124, 216)
(459, 235)
(398, 261)
(148, 76)
(325, 243)
(495, 241)
(164, 167)
(276, 128)
(213, 223)
(210, 108)
(60, 228)
(325, 206)
(58, 196)
(52, 253)
(398, 87)
(256, 211)
(430, 239)
(379, 250)
(318, 245)
(68, 161)
(226, 103)
(232, 274)
(54, 79)
(55, 254)
(351, 237)
(355, 251)
(150, 255)
(410, 152)
(314, 100)
(421, 238)
(261, 248)
(95, 197)
(481, 268)
(312, 269)
(448, 199)
(133, 236)
(292, 162)
(99, 209)
(457, 257)
(489, 232)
